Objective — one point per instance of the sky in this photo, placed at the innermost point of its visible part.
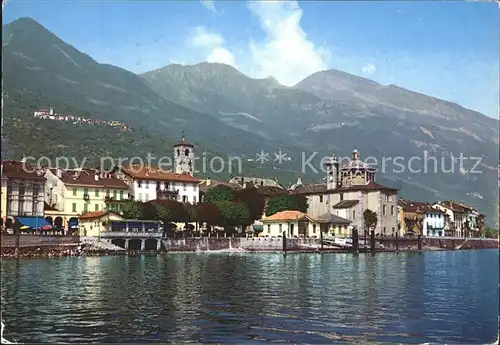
(449, 50)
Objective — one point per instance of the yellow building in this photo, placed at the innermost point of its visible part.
(298, 224)
(95, 223)
(72, 193)
(3, 200)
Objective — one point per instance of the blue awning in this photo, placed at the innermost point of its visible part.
(33, 222)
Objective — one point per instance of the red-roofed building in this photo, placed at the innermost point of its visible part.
(152, 183)
(349, 190)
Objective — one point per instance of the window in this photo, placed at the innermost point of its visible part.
(268, 228)
(85, 208)
(74, 191)
(74, 207)
(314, 228)
(392, 210)
(353, 214)
(321, 198)
(392, 229)
(121, 195)
(97, 192)
(341, 196)
(184, 198)
(36, 191)
(280, 228)
(115, 194)
(107, 193)
(383, 230)
(139, 183)
(86, 191)
(383, 210)
(194, 199)
(96, 208)
(140, 197)
(185, 186)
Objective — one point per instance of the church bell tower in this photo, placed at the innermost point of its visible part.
(332, 172)
(184, 157)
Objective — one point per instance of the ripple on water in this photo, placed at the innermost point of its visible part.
(235, 297)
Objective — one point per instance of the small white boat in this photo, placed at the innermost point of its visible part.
(4, 341)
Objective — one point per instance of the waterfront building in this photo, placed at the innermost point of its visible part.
(298, 224)
(23, 191)
(457, 216)
(150, 183)
(3, 201)
(420, 218)
(349, 190)
(94, 223)
(72, 193)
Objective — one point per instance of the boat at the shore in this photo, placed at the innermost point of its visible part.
(3, 340)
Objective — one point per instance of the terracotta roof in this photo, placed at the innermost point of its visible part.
(96, 214)
(140, 172)
(333, 219)
(346, 204)
(22, 171)
(287, 216)
(272, 191)
(310, 189)
(453, 206)
(204, 187)
(86, 177)
(321, 188)
(369, 186)
(184, 142)
(417, 206)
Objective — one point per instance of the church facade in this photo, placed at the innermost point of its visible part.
(349, 191)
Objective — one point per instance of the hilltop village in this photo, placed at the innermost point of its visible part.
(48, 114)
(91, 202)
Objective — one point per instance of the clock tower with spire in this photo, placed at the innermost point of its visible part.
(184, 157)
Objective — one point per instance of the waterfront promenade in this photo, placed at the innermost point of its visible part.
(47, 245)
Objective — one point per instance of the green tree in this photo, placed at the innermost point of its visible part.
(217, 194)
(208, 213)
(132, 210)
(232, 214)
(370, 219)
(490, 233)
(286, 203)
(253, 200)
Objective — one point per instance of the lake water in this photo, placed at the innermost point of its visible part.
(240, 298)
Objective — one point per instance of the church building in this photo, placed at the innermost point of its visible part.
(349, 191)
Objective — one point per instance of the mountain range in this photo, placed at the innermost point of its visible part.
(224, 112)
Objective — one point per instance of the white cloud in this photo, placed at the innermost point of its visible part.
(369, 69)
(286, 53)
(213, 44)
(210, 4)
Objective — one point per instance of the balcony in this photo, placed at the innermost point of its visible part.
(86, 197)
(167, 194)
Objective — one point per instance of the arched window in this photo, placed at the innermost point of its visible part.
(178, 152)
(186, 152)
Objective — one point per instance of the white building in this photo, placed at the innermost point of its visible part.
(149, 183)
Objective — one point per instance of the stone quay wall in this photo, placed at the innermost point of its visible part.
(261, 244)
(27, 241)
(258, 244)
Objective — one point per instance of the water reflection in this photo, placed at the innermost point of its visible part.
(310, 298)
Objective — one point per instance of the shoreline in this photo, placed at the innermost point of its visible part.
(75, 251)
